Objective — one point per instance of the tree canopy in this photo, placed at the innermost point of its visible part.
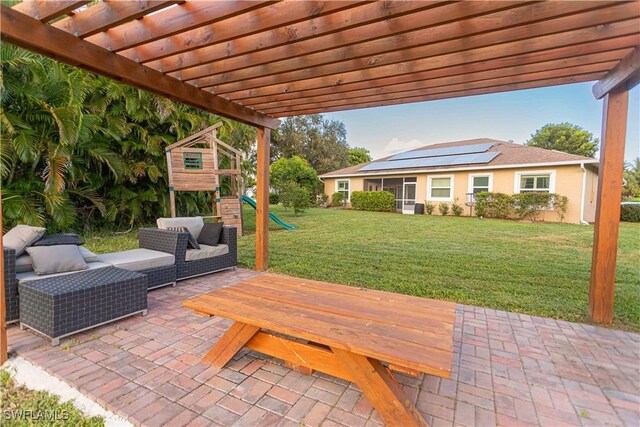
(565, 137)
(295, 170)
(321, 142)
(78, 149)
(358, 155)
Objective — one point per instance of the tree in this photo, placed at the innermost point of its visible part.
(296, 197)
(358, 155)
(323, 143)
(565, 137)
(631, 187)
(297, 170)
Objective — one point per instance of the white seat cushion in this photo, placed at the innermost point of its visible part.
(194, 224)
(137, 259)
(31, 275)
(206, 251)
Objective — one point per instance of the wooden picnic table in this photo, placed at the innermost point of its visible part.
(342, 331)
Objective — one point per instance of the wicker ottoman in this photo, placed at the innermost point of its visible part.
(63, 305)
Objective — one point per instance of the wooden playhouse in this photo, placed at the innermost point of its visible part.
(194, 164)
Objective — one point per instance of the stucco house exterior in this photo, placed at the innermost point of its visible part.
(442, 173)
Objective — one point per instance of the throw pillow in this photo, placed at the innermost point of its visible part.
(193, 243)
(58, 239)
(87, 255)
(24, 264)
(210, 234)
(56, 259)
(22, 236)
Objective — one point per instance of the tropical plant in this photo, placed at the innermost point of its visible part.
(444, 209)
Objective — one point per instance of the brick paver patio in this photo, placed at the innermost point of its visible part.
(509, 369)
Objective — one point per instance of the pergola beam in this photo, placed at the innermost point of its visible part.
(518, 72)
(410, 37)
(251, 22)
(45, 11)
(625, 70)
(185, 17)
(105, 15)
(24, 31)
(324, 34)
(449, 95)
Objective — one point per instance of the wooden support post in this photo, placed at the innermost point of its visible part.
(605, 238)
(3, 301)
(262, 199)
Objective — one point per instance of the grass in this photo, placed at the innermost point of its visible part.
(541, 269)
(20, 406)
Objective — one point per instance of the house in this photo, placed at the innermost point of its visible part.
(454, 171)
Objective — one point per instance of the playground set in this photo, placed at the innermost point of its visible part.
(194, 164)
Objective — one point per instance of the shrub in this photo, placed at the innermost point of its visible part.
(444, 209)
(493, 205)
(560, 204)
(337, 199)
(429, 208)
(528, 205)
(296, 197)
(274, 198)
(322, 200)
(377, 201)
(456, 208)
(630, 213)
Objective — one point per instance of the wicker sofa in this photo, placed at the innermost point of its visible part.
(194, 262)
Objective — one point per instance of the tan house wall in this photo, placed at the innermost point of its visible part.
(568, 182)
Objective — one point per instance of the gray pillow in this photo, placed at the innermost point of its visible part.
(22, 236)
(58, 239)
(192, 243)
(56, 259)
(24, 264)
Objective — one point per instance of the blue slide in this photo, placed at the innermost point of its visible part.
(274, 217)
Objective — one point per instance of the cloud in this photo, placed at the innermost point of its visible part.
(396, 145)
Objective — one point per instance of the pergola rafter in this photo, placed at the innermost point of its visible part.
(254, 61)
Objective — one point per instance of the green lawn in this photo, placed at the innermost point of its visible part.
(541, 269)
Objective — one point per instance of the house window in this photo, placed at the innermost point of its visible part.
(192, 160)
(480, 183)
(342, 186)
(539, 183)
(440, 188)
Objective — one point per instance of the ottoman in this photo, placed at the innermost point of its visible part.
(63, 305)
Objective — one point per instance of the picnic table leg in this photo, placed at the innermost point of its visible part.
(230, 343)
(382, 390)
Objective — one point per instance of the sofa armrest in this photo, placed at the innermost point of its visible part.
(229, 237)
(9, 256)
(172, 242)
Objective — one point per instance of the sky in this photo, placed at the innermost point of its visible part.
(504, 116)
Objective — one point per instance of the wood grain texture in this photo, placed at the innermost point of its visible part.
(619, 74)
(46, 10)
(262, 199)
(366, 322)
(229, 344)
(605, 233)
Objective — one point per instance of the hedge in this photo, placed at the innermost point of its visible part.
(379, 201)
(630, 213)
(525, 205)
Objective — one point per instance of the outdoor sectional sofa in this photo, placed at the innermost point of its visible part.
(62, 304)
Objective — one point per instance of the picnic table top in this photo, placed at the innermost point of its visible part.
(411, 332)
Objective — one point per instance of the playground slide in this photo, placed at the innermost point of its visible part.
(274, 217)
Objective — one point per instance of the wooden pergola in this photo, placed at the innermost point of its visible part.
(255, 61)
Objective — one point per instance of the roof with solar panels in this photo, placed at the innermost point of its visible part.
(471, 154)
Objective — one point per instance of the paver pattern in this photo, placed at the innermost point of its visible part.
(509, 369)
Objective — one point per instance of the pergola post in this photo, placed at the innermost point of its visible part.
(3, 301)
(262, 199)
(605, 238)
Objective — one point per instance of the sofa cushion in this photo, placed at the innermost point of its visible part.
(137, 259)
(31, 275)
(210, 234)
(56, 259)
(58, 239)
(192, 243)
(21, 236)
(24, 264)
(206, 251)
(194, 224)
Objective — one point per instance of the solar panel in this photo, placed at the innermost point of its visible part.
(446, 151)
(463, 159)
